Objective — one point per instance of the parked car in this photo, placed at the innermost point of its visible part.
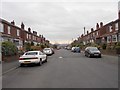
(68, 48)
(72, 49)
(33, 57)
(48, 51)
(92, 52)
(76, 49)
(53, 52)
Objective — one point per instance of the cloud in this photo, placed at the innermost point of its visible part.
(60, 21)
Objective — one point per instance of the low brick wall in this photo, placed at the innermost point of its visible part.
(109, 52)
(10, 58)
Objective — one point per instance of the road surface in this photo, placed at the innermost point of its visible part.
(65, 69)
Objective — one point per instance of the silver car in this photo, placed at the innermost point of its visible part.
(92, 52)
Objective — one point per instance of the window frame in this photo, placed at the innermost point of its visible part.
(116, 26)
(110, 28)
(9, 30)
(18, 32)
(1, 27)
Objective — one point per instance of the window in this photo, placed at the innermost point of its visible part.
(8, 29)
(1, 27)
(97, 33)
(93, 34)
(110, 28)
(31, 53)
(40, 53)
(1, 39)
(18, 32)
(16, 42)
(119, 37)
(27, 35)
(108, 39)
(116, 26)
(114, 38)
(33, 37)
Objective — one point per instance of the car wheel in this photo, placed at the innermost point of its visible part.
(40, 63)
(21, 65)
(100, 56)
(89, 55)
(46, 59)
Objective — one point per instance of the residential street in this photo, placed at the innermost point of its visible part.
(66, 69)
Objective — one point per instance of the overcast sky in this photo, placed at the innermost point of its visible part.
(60, 20)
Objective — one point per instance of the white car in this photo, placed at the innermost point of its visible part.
(48, 51)
(73, 49)
(33, 57)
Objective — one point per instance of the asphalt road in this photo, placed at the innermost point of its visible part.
(65, 69)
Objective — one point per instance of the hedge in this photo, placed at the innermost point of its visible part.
(9, 48)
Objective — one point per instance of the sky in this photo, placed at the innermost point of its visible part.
(60, 21)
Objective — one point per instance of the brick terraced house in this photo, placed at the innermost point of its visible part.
(18, 35)
(104, 34)
(108, 33)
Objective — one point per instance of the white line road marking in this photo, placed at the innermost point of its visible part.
(60, 57)
(10, 70)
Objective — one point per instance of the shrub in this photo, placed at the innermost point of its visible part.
(109, 47)
(9, 48)
(27, 46)
(118, 48)
(35, 48)
(104, 46)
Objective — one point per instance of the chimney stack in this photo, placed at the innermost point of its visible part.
(97, 26)
(92, 29)
(101, 24)
(22, 25)
(29, 29)
(84, 30)
(13, 23)
(82, 35)
(87, 32)
(34, 32)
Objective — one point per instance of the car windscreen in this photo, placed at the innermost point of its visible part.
(77, 48)
(47, 49)
(31, 53)
(93, 49)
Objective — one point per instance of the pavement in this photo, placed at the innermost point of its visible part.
(8, 66)
(65, 69)
(0, 76)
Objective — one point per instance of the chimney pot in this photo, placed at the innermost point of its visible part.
(101, 24)
(29, 29)
(97, 26)
(22, 25)
(92, 29)
(87, 32)
(13, 22)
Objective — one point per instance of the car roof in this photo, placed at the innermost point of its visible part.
(47, 48)
(33, 51)
(90, 47)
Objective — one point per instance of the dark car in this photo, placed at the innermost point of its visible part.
(92, 52)
(76, 49)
